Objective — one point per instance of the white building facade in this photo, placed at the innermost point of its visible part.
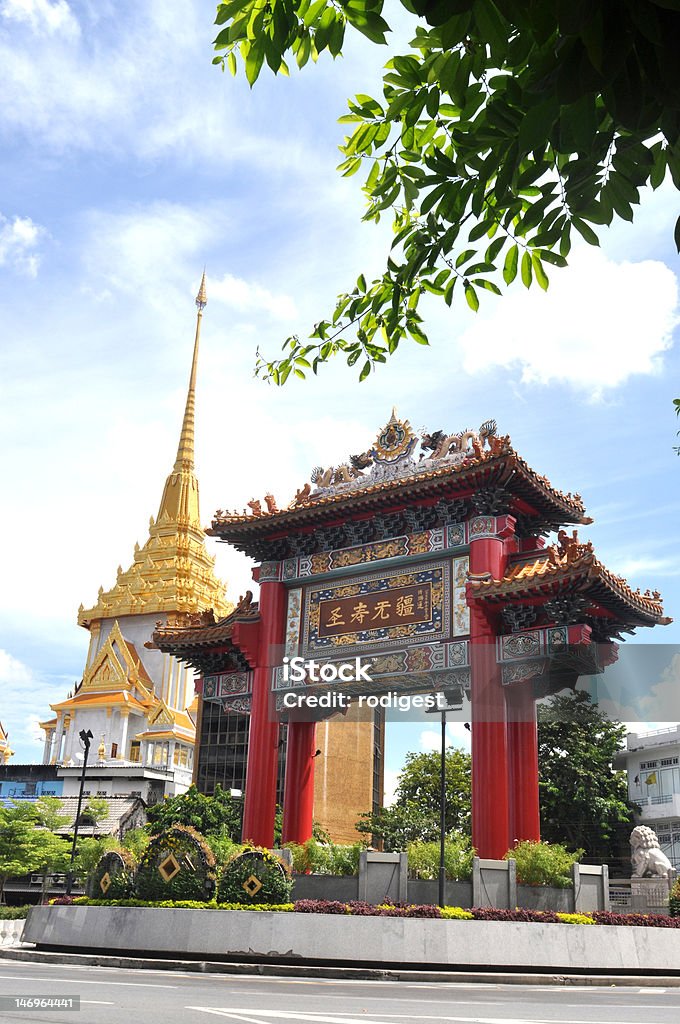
(652, 762)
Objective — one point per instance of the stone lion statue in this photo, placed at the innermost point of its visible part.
(646, 856)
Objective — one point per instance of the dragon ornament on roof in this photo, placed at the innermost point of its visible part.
(392, 457)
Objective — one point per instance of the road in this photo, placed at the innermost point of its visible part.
(117, 996)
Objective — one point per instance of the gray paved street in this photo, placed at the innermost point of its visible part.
(115, 996)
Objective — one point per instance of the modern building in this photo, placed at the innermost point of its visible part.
(652, 762)
(137, 702)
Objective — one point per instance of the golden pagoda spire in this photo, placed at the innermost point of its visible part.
(180, 494)
(172, 571)
(185, 449)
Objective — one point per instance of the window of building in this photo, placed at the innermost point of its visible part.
(666, 761)
(135, 751)
(160, 753)
(222, 751)
(649, 764)
(114, 750)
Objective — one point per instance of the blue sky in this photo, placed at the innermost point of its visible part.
(128, 162)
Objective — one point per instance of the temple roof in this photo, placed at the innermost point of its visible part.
(172, 571)
(167, 722)
(105, 700)
(115, 677)
(475, 465)
(192, 643)
(572, 566)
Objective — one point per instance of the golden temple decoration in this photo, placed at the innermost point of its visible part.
(172, 571)
(5, 751)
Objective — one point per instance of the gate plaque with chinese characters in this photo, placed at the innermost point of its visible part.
(394, 607)
(399, 607)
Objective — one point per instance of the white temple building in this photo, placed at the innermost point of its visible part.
(138, 702)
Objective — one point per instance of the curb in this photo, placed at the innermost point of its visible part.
(350, 973)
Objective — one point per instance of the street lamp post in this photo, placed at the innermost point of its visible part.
(447, 700)
(85, 737)
(442, 816)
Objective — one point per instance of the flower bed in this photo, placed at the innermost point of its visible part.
(360, 934)
(358, 908)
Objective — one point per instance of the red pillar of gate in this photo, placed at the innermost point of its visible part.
(490, 781)
(260, 797)
(298, 795)
(525, 821)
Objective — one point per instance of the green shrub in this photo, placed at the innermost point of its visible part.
(674, 901)
(85, 901)
(543, 863)
(223, 848)
(325, 858)
(238, 882)
(136, 841)
(13, 913)
(423, 858)
(113, 876)
(195, 879)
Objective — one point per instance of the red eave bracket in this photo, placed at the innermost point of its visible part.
(246, 636)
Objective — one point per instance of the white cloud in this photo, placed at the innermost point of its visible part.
(247, 297)
(42, 16)
(24, 693)
(643, 565)
(19, 240)
(135, 79)
(456, 735)
(150, 251)
(599, 323)
(663, 702)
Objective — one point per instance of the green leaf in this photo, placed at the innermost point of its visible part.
(526, 270)
(494, 249)
(417, 335)
(368, 23)
(548, 256)
(231, 62)
(510, 266)
(537, 124)
(465, 256)
(677, 234)
(366, 369)
(539, 271)
(471, 297)
(254, 61)
(585, 231)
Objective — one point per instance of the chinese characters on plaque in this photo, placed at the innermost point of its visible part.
(377, 610)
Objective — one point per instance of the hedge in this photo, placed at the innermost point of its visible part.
(13, 913)
(358, 908)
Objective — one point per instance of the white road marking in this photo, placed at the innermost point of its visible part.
(96, 1002)
(225, 1013)
(237, 1013)
(81, 981)
(301, 1018)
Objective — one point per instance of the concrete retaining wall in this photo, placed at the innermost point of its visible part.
(359, 940)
